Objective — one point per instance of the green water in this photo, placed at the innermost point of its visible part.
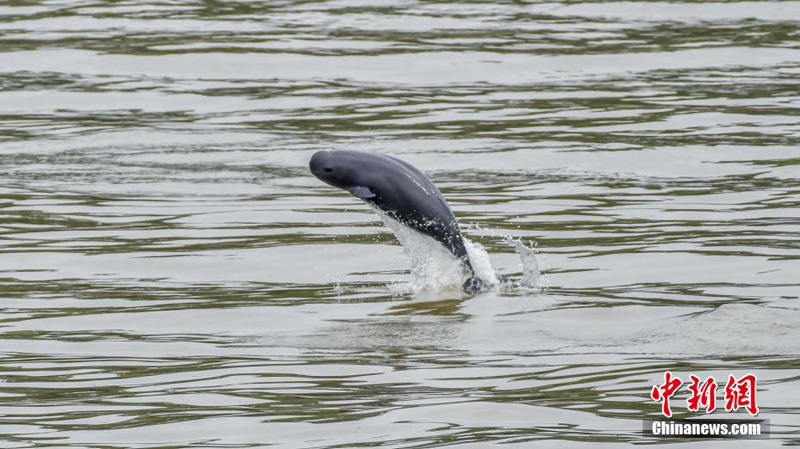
(172, 276)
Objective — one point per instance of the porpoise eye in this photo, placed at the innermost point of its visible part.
(328, 169)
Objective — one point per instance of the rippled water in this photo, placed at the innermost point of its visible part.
(172, 275)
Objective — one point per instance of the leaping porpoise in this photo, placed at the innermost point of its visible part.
(402, 192)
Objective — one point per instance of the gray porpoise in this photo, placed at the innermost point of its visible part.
(402, 192)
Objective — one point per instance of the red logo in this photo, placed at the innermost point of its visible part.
(664, 392)
(739, 393)
(705, 395)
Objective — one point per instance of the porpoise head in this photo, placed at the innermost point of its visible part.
(341, 169)
(331, 169)
(337, 168)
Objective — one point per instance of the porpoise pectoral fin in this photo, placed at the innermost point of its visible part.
(361, 192)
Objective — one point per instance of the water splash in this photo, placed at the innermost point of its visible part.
(435, 270)
(531, 262)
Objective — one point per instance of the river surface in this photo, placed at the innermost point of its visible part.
(171, 275)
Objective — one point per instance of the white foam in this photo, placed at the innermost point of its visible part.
(435, 270)
(531, 262)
